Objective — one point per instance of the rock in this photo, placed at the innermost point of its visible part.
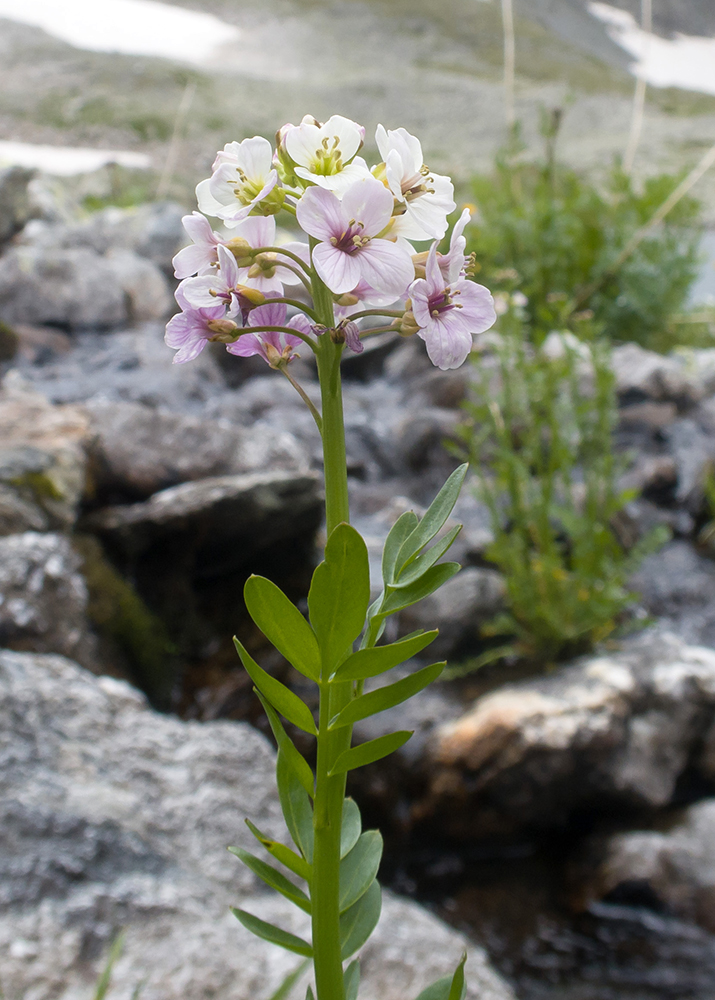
(137, 450)
(674, 867)
(130, 365)
(693, 450)
(642, 374)
(616, 730)
(421, 438)
(15, 205)
(114, 816)
(651, 475)
(43, 597)
(458, 610)
(677, 586)
(77, 288)
(42, 459)
(219, 521)
(647, 416)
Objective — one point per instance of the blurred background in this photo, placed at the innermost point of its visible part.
(556, 806)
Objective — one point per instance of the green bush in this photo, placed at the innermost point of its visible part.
(540, 427)
(552, 234)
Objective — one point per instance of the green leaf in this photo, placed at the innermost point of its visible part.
(400, 530)
(340, 593)
(309, 995)
(368, 752)
(295, 760)
(379, 659)
(296, 807)
(351, 979)
(269, 932)
(283, 625)
(430, 581)
(273, 878)
(105, 979)
(351, 827)
(435, 516)
(422, 563)
(359, 868)
(289, 982)
(448, 987)
(386, 697)
(281, 697)
(292, 861)
(358, 923)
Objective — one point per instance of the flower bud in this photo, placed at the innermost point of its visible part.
(419, 260)
(407, 325)
(241, 250)
(347, 299)
(251, 295)
(224, 330)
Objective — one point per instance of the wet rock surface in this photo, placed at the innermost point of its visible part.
(114, 816)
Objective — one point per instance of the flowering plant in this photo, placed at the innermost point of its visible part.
(262, 295)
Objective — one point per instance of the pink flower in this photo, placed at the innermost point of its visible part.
(448, 313)
(272, 346)
(199, 257)
(453, 263)
(350, 249)
(191, 329)
(219, 286)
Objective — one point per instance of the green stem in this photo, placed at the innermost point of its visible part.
(329, 791)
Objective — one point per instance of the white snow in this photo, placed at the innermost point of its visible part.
(133, 27)
(66, 160)
(685, 61)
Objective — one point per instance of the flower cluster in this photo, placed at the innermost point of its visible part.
(239, 286)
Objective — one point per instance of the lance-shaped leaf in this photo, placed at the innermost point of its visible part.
(295, 804)
(369, 752)
(414, 570)
(358, 923)
(269, 932)
(280, 697)
(283, 625)
(448, 987)
(379, 659)
(386, 697)
(309, 995)
(351, 980)
(435, 516)
(359, 868)
(351, 826)
(272, 877)
(292, 861)
(400, 530)
(430, 581)
(286, 746)
(340, 593)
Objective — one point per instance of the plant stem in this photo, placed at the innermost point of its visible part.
(329, 791)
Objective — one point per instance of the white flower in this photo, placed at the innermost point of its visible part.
(325, 154)
(424, 198)
(242, 177)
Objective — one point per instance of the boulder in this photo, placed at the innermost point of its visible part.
(78, 288)
(15, 202)
(672, 867)
(43, 596)
(642, 374)
(138, 450)
(42, 459)
(614, 730)
(116, 817)
(677, 586)
(217, 522)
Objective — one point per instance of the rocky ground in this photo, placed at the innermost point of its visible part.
(563, 821)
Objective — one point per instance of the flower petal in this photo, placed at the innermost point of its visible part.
(385, 267)
(447, 346)
(339, 270)
(193, 259)
(206, 200)
(370, 203)
(320, 214)
(189, 351)
(255, 157)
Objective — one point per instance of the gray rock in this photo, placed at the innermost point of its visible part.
(616, 729)
(138, 450)
(15, 206)
(642, 374)
(458, 610)
(78, 288)
(677, 586)
(221, 521)
(675, 866)
(43, 597)
(693, 450)
(114, 816)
